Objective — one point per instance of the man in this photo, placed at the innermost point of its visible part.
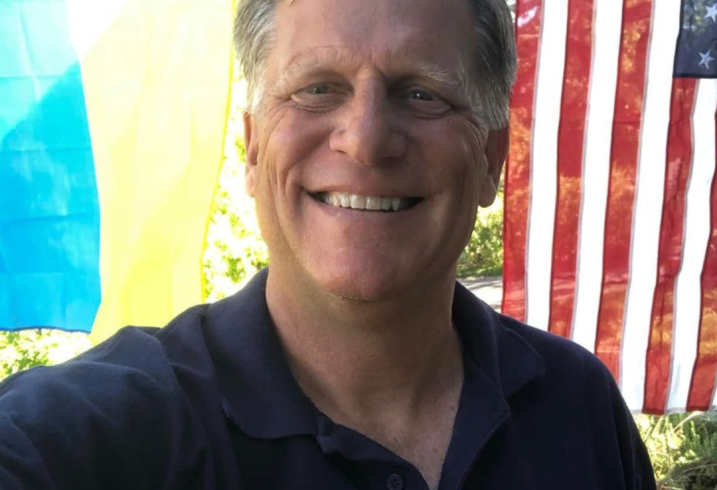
(375, 130)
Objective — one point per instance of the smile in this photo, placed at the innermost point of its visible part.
(365, 203)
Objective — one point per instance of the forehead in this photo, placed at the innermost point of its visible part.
(393, 35)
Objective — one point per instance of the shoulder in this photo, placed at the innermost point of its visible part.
(120, 376)
(565, 361)
(579, 393)
(134, 357)
(118, 406)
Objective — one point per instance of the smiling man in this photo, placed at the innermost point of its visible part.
(375, 130)
(368, 158)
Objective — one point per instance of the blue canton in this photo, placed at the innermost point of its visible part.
(696, 54)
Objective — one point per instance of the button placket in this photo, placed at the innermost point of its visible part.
(394, 482)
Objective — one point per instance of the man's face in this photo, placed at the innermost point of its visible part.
(365, 102)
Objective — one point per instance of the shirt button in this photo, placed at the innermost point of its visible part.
(394, 482)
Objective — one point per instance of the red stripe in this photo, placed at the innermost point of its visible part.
(623, 169)
(703, 375)
(677, 170)
(571, 136)
(517, 172)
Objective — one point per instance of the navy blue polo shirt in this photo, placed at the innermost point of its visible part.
(209, 402)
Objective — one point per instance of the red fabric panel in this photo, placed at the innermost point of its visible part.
(703, 375)
(571, 136)
(623, 169)
(517, 172)
(677, 171)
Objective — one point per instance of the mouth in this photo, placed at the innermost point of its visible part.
(365, 203)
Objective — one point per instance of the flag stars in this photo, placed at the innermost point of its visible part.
(706, 58)
(712, 13)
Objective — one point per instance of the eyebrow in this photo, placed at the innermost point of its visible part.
(440, 74)
(309, 61)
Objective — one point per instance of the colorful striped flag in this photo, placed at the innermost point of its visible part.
(112, 118)
(611, 206)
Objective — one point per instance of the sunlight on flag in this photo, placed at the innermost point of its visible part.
(111, 138)
(610, 227)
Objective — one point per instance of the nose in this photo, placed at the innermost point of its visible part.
(367, 129)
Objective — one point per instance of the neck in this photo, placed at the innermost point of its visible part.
(359, 360)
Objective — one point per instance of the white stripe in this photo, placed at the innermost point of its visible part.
(697, 226)
(649, 197)
(596, 170)
(544, 156)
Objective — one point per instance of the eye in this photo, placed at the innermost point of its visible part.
(424, 102)
(421, 95)
(319, 97)
(318, 90)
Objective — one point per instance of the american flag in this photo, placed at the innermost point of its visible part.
(611, 203)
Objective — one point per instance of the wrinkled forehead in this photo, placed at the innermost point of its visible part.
(332, 59)
(430, 36)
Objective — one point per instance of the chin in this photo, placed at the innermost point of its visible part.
(363, 285)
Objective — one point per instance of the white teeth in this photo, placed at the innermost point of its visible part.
(358, 202)
(368, 203)
(373, 203)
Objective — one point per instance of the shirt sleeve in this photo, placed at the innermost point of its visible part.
(111, 419)
(637, 467)
(614, 425)
(21, 465)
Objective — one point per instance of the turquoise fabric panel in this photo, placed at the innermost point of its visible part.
(49, 208)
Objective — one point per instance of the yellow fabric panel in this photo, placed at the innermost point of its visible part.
(157, 83)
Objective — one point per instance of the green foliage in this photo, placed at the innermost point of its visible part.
(683, 449)
(235, 250)
(483, 256)
(30, 348)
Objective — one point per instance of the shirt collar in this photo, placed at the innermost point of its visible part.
(261, 396)
(258, 391)
(508, 360)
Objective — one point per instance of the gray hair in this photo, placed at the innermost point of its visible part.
(493, 52)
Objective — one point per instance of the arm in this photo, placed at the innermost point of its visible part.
(638, 471)
(111, 419)
(21, 465)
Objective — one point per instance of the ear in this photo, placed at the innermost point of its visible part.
(251, 146)
(496, 151)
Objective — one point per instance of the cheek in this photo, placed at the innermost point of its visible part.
(454, 151)
(473, 141)
(472, 151)
(292, 141)
(464, 171)
(295, 132)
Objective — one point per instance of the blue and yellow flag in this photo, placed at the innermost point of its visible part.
(112, 122)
